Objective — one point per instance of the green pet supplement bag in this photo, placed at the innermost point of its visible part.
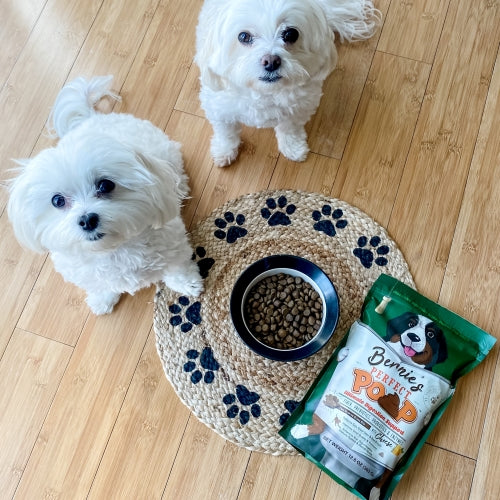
(384, 389)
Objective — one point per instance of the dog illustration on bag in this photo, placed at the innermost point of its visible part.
(417, 340)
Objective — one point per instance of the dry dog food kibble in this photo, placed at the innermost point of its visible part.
(283, 311)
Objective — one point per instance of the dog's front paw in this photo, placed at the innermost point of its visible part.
(293, 149)
(102, 303)
(292, 143)
(224, 152)
(187, 284)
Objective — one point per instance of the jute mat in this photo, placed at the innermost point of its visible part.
(243, 396)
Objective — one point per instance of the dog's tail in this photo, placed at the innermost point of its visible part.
(75, 102)
(352, 20)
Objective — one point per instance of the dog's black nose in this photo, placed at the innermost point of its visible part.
(270, 62)
(88, 222)
(413, 337)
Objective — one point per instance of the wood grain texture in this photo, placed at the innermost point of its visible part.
(19, 270)
(77, 428)
(32, 367)
(149, 428)
(53, 43)
(443, 143)
(472, 272)
(372, 165)
(58, 316)
(278, 477)
(412, 29)
(407, 130)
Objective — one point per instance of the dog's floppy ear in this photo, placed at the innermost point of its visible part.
(398, 324)
(209, 44)
(168, 187)
(20, 208)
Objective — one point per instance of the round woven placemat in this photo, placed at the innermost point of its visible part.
(242, 396)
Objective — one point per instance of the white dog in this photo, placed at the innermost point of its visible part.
(105, 202)
(263, 62)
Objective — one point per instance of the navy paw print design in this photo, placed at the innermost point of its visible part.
(323, 222)
(245, 398)
(290, 406)
(277, 213)
(207, 362)
(191, 313)
(234, 231)
(204, 263)
(370, 251)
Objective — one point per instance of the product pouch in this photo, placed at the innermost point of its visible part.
(385, 387)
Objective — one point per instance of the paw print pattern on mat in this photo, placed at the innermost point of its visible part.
(279, 217)
(192, 314)
(290, 406)
(234, 232)
(366, 255)
(204, 263)
(325, 225)
(207, 362)
(245, 398)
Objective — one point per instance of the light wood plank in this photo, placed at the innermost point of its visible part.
(412, 29)
(428, 201)
(188, 100)
(329, 128)
(373, 163)
(252, 171)
(18, 19)
(18, 272)
(486, 484)
(316, 174)
(291, 477)
(421, 480)
(54, 43)
(114, 39)
(77, 428)
(206, 466)
(150, 427)
(162, 62)
(33, 367)
(453, 481)
(196, 154)
(57, 316)
(471, 284)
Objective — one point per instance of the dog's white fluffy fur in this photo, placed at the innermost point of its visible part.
(105, 202)
(294, 39)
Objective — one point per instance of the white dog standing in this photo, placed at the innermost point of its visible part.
(263, 62)
(105, 202)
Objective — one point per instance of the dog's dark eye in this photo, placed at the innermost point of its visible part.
(412, 323)
(290, 35)
(245, 38)
(430, 334)
(58, 200)
(105, 186)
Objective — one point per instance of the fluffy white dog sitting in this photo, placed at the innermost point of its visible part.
(105, 202)
(263, 63)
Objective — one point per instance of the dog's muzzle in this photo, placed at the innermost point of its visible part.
(271, 63)
(89, 223)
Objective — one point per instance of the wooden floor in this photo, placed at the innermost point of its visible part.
(407, 130)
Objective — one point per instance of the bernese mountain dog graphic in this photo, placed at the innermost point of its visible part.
(417, 340)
